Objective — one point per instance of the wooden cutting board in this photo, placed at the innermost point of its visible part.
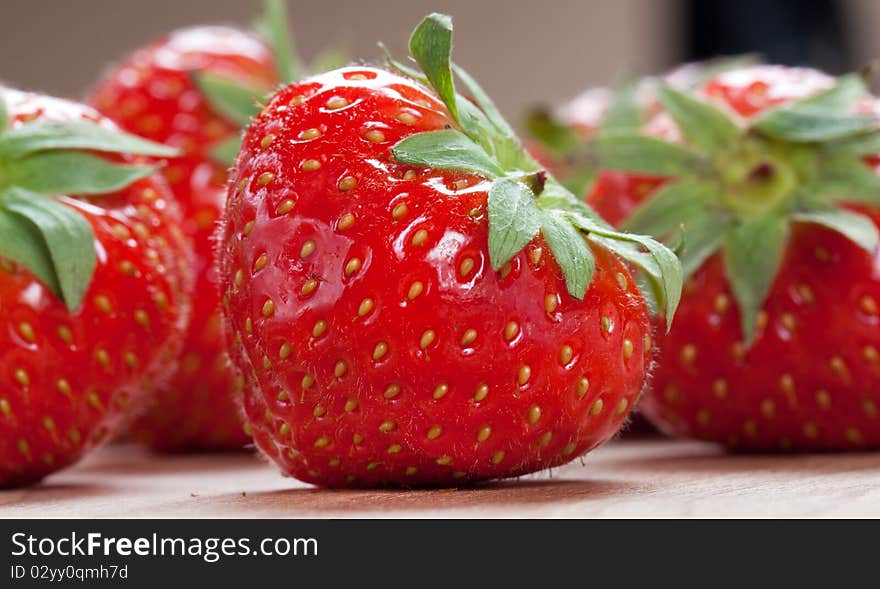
(632, 478)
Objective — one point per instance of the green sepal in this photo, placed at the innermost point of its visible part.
(702, 124)
(703, 234)
(402, 68)
(4, 116)
(67, 135)
(825, 116)
(229, 98)
(647, 155)
(225, 152)
(514, 219)
(431, 46)
(273, 26)
(856, 227)
(55, 242)
(484, 102)
(447, 149)
(844, 179)
(624, 114)
(669, 206)
(570, 251)
(558, 138)
(70, 172)
(753, 251)
(857, 146)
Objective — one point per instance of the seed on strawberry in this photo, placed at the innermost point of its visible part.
(448, 311)
(93, 282)
(194, 90)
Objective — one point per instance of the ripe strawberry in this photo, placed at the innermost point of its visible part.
(411, 299)
(775, 344)
(92, 284)
(194, 90)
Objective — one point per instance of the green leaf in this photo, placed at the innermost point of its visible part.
(845, 180)
(703, 234)
(273, 26)
(225, 152)
(484, 102)
(229, 98)
(823, 117)
(448, 150)
(753, 251)
(77, 135)
(860, 145)
(570, 250)
(68, 239)
(646, 155)
(854, 226)
(514, 219)
(4, 116)
(664, 212)
(624, 114)
(701, 123)
(556, 137)
(70, 172)
(431, 46)
(402, 68)
(20, 241)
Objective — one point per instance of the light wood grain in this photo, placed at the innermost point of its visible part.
(642, 478)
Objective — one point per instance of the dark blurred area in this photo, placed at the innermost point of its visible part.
(789, 32)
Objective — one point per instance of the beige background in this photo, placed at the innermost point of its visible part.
(525, 51)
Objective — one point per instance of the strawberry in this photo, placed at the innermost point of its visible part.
(412, 300)
(771, 171)
(194, 90)
(92, 283)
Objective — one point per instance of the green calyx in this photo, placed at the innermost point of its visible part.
(238, 101)
(524, 200)
(42, 160)
(736, 186)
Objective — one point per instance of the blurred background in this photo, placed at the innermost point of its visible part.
(525, 52)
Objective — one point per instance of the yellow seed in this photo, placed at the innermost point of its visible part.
(21, 377)
(284, 207)
(523, 375)
(420, 237)
(319, 411)
(427, 338)
(788, 321)
(569, 448)
(605, 323)
(311, 165)
(810, 429)
(565, 354)
(392, 391)
(621, 281)
(340, 369)
(511, 330)
(551, 301)
(285, 350)
(622, 406)
(823, 399)
(399, 210)
(703, 417)
(374, 136)
(722, 303)
(353, 266)
(346, 221)
(5, 408)
(336, 103)
(415, 289)
(441, 390)
(307, 248)
(535, 255)
(750, 428)
(545, 438)
(406, 118)
(868, 305)
(261, 262)
(411, 470)
(434, 432)
(103, 304)
(284, 429)
(347, 183)
(596, 407)
(853, 435)
(319, 328)
(583, 386)
(265, 178)
(334, 462)
(387, 426)
(394, 449)
(307, 381)
(283, 396)
(481, 393)
(63, 387)
(268, 308)
(688, 354)
(497, 457)
(309, 134)
(761, 319)
(444, 460)
(296, 100)
(309, 287)
(322, 442)
(534, 414)
(365, 307)
(719, 388)
(248, 325)
(380, 350)
(786, 383)
(627, 349)
(267, 140)
(870, 354)
(102, 357)
(26, 331)
(869, 408)
(350, 405)
(65, 335)
(483, 433)
(358, 77)
(466, 266)
(468, 337)
(837, 365)
(130, 360)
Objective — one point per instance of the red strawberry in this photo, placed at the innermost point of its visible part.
(412, 307)
(92, 288)
(775, 345)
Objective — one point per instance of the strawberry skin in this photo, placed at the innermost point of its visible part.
(153, 94)
(377, 343)
(67, 380)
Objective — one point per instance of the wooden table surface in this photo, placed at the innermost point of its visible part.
(635, 478)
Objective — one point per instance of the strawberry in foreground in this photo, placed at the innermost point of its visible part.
(194, 90)
(771, 171)
(411, 299)
(92, 283)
